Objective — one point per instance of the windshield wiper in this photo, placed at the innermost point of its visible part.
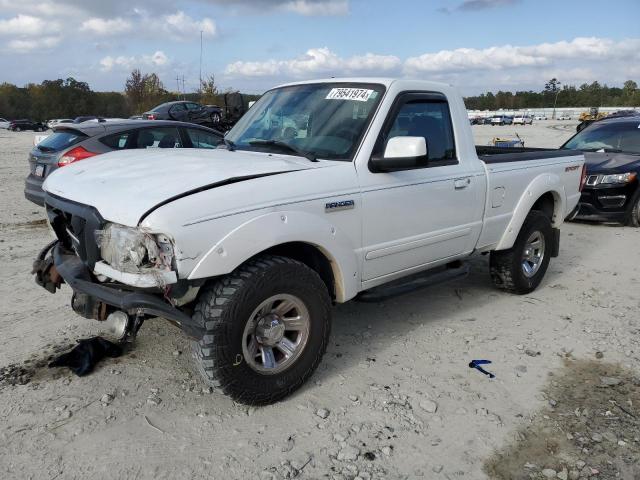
(285, 146)
(229, 144)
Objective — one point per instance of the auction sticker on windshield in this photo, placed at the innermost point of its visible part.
(357, 94)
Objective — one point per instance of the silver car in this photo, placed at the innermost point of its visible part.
(71, 143)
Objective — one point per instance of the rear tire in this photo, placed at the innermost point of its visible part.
(521, 268)
(248, 364)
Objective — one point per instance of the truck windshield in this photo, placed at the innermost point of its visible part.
(609, 137)
(323, 120)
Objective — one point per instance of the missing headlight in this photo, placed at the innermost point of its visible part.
(130, 249)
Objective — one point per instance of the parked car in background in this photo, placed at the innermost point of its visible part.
(19, 125)
(70, 143)
(56, 121)
(4, 123)
(522, 119)
(540, 116)
(501, 120)
(185, 111)
(564, 116)
(612, 156)
(86, 118)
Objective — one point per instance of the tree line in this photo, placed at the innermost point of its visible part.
(71, 98)
(586, 95)
(142, 91)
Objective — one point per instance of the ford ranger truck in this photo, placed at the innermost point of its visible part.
(323, 191)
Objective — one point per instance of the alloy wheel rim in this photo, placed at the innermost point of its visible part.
(533, 254)
(276, 334)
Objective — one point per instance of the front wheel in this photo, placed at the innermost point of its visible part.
(267, 326)
(633, 219)
(521, 268)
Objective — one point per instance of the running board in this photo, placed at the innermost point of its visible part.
(414, 282)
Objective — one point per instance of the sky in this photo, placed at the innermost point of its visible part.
(252, 45)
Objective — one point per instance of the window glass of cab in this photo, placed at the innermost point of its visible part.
(429, 119)
(203, 139)
(162, 137)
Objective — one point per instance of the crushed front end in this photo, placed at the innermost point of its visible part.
(112, 268)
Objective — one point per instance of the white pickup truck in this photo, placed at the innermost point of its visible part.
(324, 191)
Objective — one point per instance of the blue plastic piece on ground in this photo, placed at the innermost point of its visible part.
(476, 364)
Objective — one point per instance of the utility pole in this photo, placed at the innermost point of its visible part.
(183, 89)
(178, 84)
(553, 115)
(200, 84)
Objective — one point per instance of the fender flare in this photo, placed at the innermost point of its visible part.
(542, 184)
(277, 228)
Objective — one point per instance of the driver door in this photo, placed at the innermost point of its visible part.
(430, 214)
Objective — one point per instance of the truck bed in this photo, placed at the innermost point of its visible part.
(489, 154)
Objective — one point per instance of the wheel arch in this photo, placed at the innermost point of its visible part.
(544, 194)
(314, 257)
(318, 244)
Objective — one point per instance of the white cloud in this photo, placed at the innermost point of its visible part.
(509, 57)
(27, 26)
(101, 26)
(583, 59)
(181, 26)
(311, 8)
(30, 44)
(315, 61)
(126, 63)
(300, 7)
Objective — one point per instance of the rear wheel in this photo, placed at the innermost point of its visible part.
(267, 326)
(521, 268)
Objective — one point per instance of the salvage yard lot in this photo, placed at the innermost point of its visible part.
(395, 382)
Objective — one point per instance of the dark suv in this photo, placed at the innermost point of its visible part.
(185, 111)
(19, 125)
(611, 149)
(74, 142)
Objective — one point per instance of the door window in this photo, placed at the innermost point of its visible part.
(158, 138)
(203, 139)
(177, 110)
(429, 119)
(117, 141)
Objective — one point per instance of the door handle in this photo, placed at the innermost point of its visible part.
(460, 183)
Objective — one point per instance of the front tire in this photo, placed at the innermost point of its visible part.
(521, 268)
(633, 220)
(267, 327)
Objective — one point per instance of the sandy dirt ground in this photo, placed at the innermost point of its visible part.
(394, 386)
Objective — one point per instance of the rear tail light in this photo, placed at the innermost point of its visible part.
(583, 176)
(74, 155)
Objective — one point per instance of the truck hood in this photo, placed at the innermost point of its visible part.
(610, 162)
(126, 185)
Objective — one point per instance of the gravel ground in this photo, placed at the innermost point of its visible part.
(393, 398)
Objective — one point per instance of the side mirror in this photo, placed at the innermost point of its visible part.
(401, 153)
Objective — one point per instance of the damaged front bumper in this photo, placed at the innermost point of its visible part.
(55, 265)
